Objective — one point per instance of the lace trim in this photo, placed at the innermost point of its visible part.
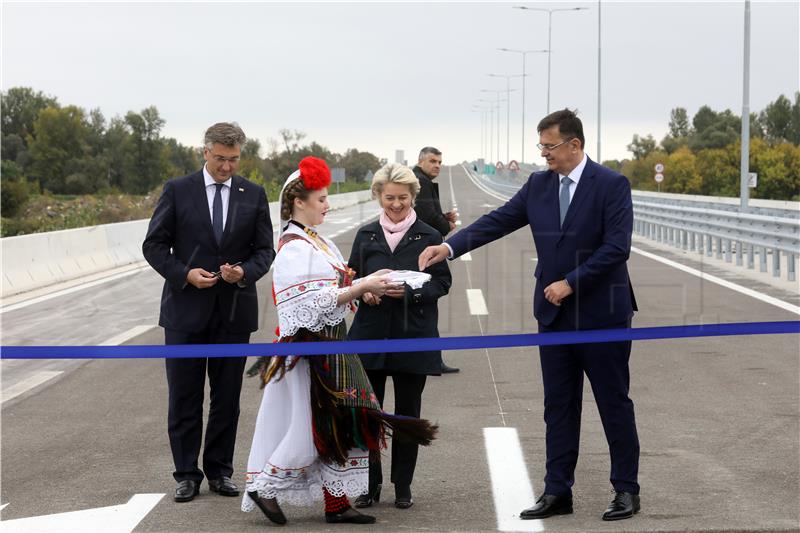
(299, 289)
(312, 311)
(304, 486)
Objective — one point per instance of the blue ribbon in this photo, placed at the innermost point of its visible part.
(397, 345)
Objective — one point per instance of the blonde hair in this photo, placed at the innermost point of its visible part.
(394, 173)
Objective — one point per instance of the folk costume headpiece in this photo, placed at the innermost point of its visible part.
(315, 175)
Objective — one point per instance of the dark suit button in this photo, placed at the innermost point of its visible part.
(417, 298)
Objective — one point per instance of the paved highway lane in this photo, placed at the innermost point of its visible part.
(717, 417)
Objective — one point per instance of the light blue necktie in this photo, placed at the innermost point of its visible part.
(563, 198)
(216, 213)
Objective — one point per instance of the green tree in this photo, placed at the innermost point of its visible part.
(358, 164)
(678, 123)
(714, 130)
(59, 137)
(20, 108)
(149, 154)
(777, 119)
(641, 147)
(719, 171)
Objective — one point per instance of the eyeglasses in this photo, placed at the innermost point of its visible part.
(551, 147)
(220, 159)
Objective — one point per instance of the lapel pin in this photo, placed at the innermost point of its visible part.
(241, 189)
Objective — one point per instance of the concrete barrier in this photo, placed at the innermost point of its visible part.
(40, 259)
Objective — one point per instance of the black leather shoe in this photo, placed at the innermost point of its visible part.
(624, 505)
(449, 369)
(548, 505)
(402, 497)
(187, 490)
(349, 516)
(223, 486)
(275, 515)
(366, 500)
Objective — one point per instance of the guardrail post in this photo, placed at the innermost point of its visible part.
(718, 242)
(762, 258)
(751, 262)
(776, 263)
(728, 243)
(709, 247)
(692, 245)
(739, 253)
(790, 266)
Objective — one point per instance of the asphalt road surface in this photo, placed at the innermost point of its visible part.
(717, 417)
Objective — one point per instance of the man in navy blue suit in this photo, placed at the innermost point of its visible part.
(581, 217)
(211, 239)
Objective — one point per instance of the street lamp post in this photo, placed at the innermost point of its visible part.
(549, 36)
(508, 109)
(524, 53)
(497, 106)
(483, 111)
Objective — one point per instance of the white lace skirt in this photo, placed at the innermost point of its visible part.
(283, 461)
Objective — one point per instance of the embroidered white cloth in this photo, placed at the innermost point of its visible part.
(306, 284)
(283, 460)
(413, 279)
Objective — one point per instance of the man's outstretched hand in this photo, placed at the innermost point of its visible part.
(432, 255)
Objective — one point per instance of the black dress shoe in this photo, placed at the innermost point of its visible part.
(366, 500)
(402, 497)
(548, 505)
(624, 505)
(275, 516)
(223, 486)
(187, 490)
(449, 369)
(349, 516)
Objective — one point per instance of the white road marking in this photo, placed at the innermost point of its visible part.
(70, 290)
(511, 486)
(466, 257)
(125, 336)
(719, 281)
(484, 188)
(477, 305)
(115, 518)
(27, 384)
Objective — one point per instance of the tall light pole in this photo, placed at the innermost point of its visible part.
(490, 107)
(549, 36)
(483, 111)
(508, 109)
(524, 53)
(744, 190)
(599, 102)
(497, 93)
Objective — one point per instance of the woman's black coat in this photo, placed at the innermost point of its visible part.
(414, 316)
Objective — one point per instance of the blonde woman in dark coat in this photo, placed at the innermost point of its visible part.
(395, 242)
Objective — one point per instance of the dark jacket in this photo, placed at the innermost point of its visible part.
(180, 237)
(427, 204)
(590, 250)
(416, 315)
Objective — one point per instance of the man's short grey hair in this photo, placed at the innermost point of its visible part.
(428, 150)
(225, 133)
(394, 173)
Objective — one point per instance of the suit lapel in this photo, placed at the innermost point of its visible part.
(200, 199)
(233, 205)
(582, 191)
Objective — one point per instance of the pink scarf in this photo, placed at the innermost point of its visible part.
(395, 231)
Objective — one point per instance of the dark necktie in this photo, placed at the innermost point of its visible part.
(216, 213)
(563, 198)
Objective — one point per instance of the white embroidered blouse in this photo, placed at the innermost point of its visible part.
(305, 284)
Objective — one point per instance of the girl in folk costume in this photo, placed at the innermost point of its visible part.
(319, 417)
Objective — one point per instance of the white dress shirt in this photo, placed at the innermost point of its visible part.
(211, 190)
(574, 177)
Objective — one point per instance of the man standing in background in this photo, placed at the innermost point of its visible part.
(210, 238)
(428, 207)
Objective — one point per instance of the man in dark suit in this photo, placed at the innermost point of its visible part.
(211, 239)
(428, 207)
(581, 217)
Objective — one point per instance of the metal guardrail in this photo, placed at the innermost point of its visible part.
(716, 227)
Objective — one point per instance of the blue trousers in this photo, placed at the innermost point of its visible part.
(606, 366)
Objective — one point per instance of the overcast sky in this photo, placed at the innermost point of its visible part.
(386, 76)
